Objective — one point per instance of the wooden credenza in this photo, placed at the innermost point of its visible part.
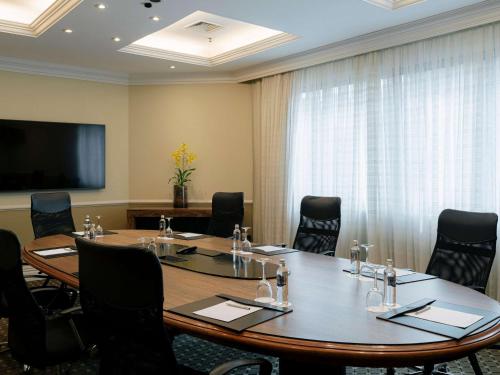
(188, 219)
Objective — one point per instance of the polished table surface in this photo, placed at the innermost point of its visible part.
(329, 323)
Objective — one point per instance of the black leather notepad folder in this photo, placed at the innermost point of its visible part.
(406, 279)
(75, 252)
(398, 316)
(105, 233)
(268, 312)
(283, 250)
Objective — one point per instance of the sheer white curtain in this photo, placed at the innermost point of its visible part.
(400, 134)
(270, 113)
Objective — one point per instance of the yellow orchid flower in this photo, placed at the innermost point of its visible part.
(182, 158)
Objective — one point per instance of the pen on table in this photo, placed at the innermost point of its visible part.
(238, 306)
(422, 310)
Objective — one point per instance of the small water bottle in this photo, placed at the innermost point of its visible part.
(355, 259)
(163, 227)
(86, 226)
(92, 232)
(282, 284)
(99, 232)
(390, 285)
(236, 237)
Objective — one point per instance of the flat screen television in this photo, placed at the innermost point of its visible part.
(38, 155)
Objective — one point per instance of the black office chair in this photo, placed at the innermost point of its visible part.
(319, 225)
(51, 214)
(464, 252)
(121, 291)
(227, 210)
(39, 336)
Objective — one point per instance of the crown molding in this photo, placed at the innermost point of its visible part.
(445, 23)
(62, 71)
(43, 22)
(222, 58)
(393, 4)
(138, 81)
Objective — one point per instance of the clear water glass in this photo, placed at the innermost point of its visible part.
(169, 232)
(366, 268)
(375, 297)
(264, 288)
(148, 243)
(246, 245)
(99, 232)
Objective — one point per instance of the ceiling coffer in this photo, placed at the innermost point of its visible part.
(204, 27)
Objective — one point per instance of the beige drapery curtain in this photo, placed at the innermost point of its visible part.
(270, 114)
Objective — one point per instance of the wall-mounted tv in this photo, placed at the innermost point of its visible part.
(38, 155)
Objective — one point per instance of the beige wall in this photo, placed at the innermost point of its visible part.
(144, 124)
(31, 97)
(214, 120)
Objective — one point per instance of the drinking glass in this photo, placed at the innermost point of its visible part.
(264, 288)
(148, 243)
(246, 259)
(99, 232)
(367, 269)
(375, 297)
(169, 232)
(246, 246)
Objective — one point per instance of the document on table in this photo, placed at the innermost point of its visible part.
(79, 233)
(50, 252)
(403, 272)
(189, 235)
(227, 311)
(446, 316)
(269, 248)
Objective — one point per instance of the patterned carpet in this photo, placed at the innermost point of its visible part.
(204, 356)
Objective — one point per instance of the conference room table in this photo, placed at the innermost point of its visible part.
(329, 325)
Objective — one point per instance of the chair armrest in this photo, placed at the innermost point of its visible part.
(265, 366)
(76, 310)
(42, 289)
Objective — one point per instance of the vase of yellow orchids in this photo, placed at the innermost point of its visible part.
(183, 158)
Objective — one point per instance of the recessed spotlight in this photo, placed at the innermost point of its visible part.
(101, 6)
(116, 39)
(155, 18)
(68, 31)
(172, 66)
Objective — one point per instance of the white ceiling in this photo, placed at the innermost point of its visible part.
(316, 22)
(23, 11)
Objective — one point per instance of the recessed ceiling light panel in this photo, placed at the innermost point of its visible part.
(116, 39)
(101, 6)
(207, 39)
(32, 17)
(68, 31)
(393, 4)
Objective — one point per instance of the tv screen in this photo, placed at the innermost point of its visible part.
(51, 155)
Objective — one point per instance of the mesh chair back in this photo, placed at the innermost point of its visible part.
(465, 248)
(319, 225)
(227, 210)
(51, 214)
(27, 333)
(121, 292)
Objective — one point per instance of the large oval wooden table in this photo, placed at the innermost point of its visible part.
(329, 324)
